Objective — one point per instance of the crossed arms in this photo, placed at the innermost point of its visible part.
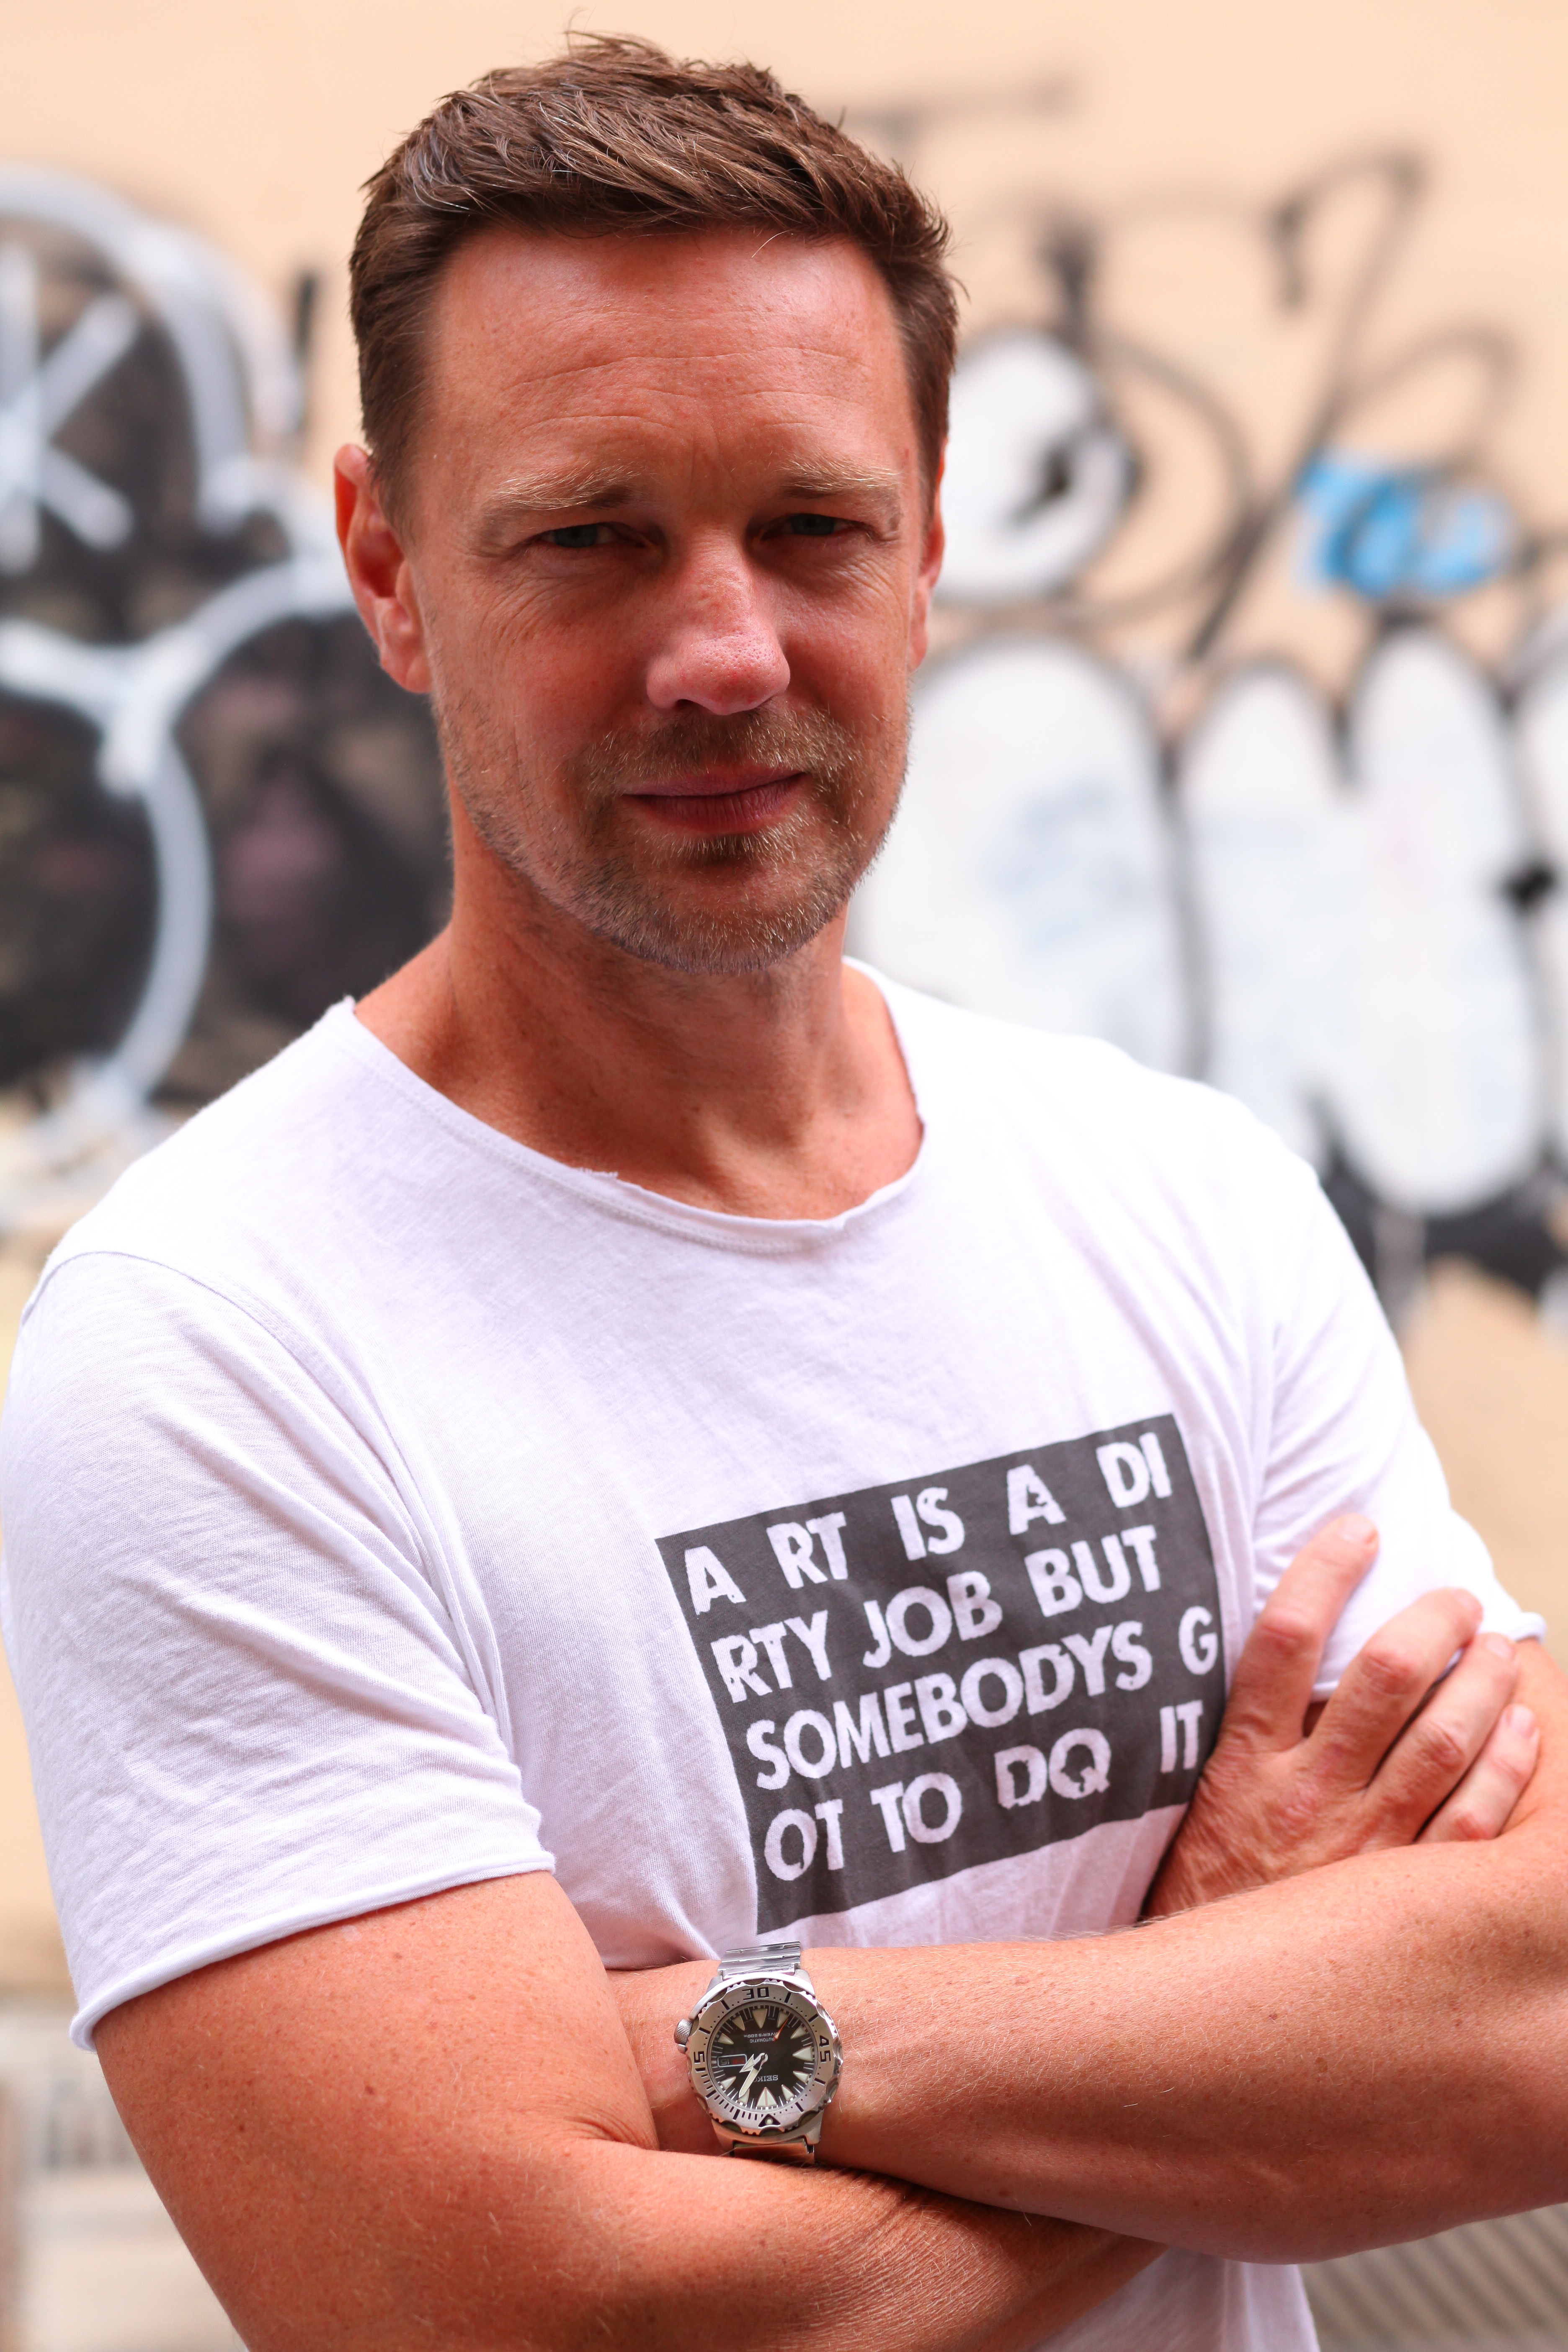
(446, 2124)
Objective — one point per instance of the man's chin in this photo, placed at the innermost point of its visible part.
(712, 939)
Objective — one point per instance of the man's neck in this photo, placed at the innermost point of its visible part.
(781, 1093)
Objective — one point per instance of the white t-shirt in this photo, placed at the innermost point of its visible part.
(388, 1507)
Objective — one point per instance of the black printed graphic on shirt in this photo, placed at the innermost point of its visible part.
(918, 1677)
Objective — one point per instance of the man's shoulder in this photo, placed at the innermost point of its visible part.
(260, 1160)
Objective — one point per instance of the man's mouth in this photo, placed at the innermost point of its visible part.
(720, 801)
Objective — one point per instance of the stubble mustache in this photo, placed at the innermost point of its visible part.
(622, 888)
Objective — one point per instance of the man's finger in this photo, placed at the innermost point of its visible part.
(1432, 1756)
(1481, 1805)
(1274, 1677)
(1388, 1680)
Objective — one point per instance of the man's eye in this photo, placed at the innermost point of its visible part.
(814, 526)
(577, 534)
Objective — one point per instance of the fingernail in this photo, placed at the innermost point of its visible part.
(1521, 1720)
(1355, 1529)
(1498, 1644)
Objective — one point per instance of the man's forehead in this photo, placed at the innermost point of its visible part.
(538, 308)
(580, 363)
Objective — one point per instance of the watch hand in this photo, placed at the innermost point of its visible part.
(752, 2075)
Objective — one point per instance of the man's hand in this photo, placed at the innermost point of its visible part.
(1396, 1756)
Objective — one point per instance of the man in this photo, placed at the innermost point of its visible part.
(640, 1442)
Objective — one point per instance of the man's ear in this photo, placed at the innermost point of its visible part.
(933, 545)
(379, 572)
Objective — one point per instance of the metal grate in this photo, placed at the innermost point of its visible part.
(1494, 2287)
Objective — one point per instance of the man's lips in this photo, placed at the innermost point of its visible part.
(720, 802)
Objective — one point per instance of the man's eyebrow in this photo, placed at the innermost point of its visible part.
(821, 489)
(568, 492)
(556, 494)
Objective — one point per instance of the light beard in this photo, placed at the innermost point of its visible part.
(628, 891)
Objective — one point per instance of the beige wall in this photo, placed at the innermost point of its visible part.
(255, 125)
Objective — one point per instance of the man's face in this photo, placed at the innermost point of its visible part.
(669, 560)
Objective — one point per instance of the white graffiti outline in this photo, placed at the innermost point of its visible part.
(234, 359)
(136, 696)
(36, 397)
(242, 387)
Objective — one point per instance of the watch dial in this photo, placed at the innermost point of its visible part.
(760, 2063)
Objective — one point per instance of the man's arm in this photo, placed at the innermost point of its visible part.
(428, 2122)
(1368, 2050)
(425, 2129)
(1371, 2051)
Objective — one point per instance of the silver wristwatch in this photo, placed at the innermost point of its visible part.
(765, 2054)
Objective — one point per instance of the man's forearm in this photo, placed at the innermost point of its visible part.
(1370, 2050)
(743, 2252)
(423, 2127)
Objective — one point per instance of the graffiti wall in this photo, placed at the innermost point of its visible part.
(215, 815)
(1247, 745)
(1244, 742)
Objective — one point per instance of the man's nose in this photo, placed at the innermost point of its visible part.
(719, 647)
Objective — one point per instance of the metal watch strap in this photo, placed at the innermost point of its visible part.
(773, 1960)
(765, 1960)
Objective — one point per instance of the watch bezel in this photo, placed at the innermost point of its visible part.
(827, 2056)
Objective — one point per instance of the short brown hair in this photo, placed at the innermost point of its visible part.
(617, 137)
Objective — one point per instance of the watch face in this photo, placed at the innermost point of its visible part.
(763, 2057)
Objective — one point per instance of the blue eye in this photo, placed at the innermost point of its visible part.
(575, 534)
(813, 525)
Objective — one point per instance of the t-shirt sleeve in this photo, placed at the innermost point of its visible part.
(249, 1708)
(1344, 1435)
